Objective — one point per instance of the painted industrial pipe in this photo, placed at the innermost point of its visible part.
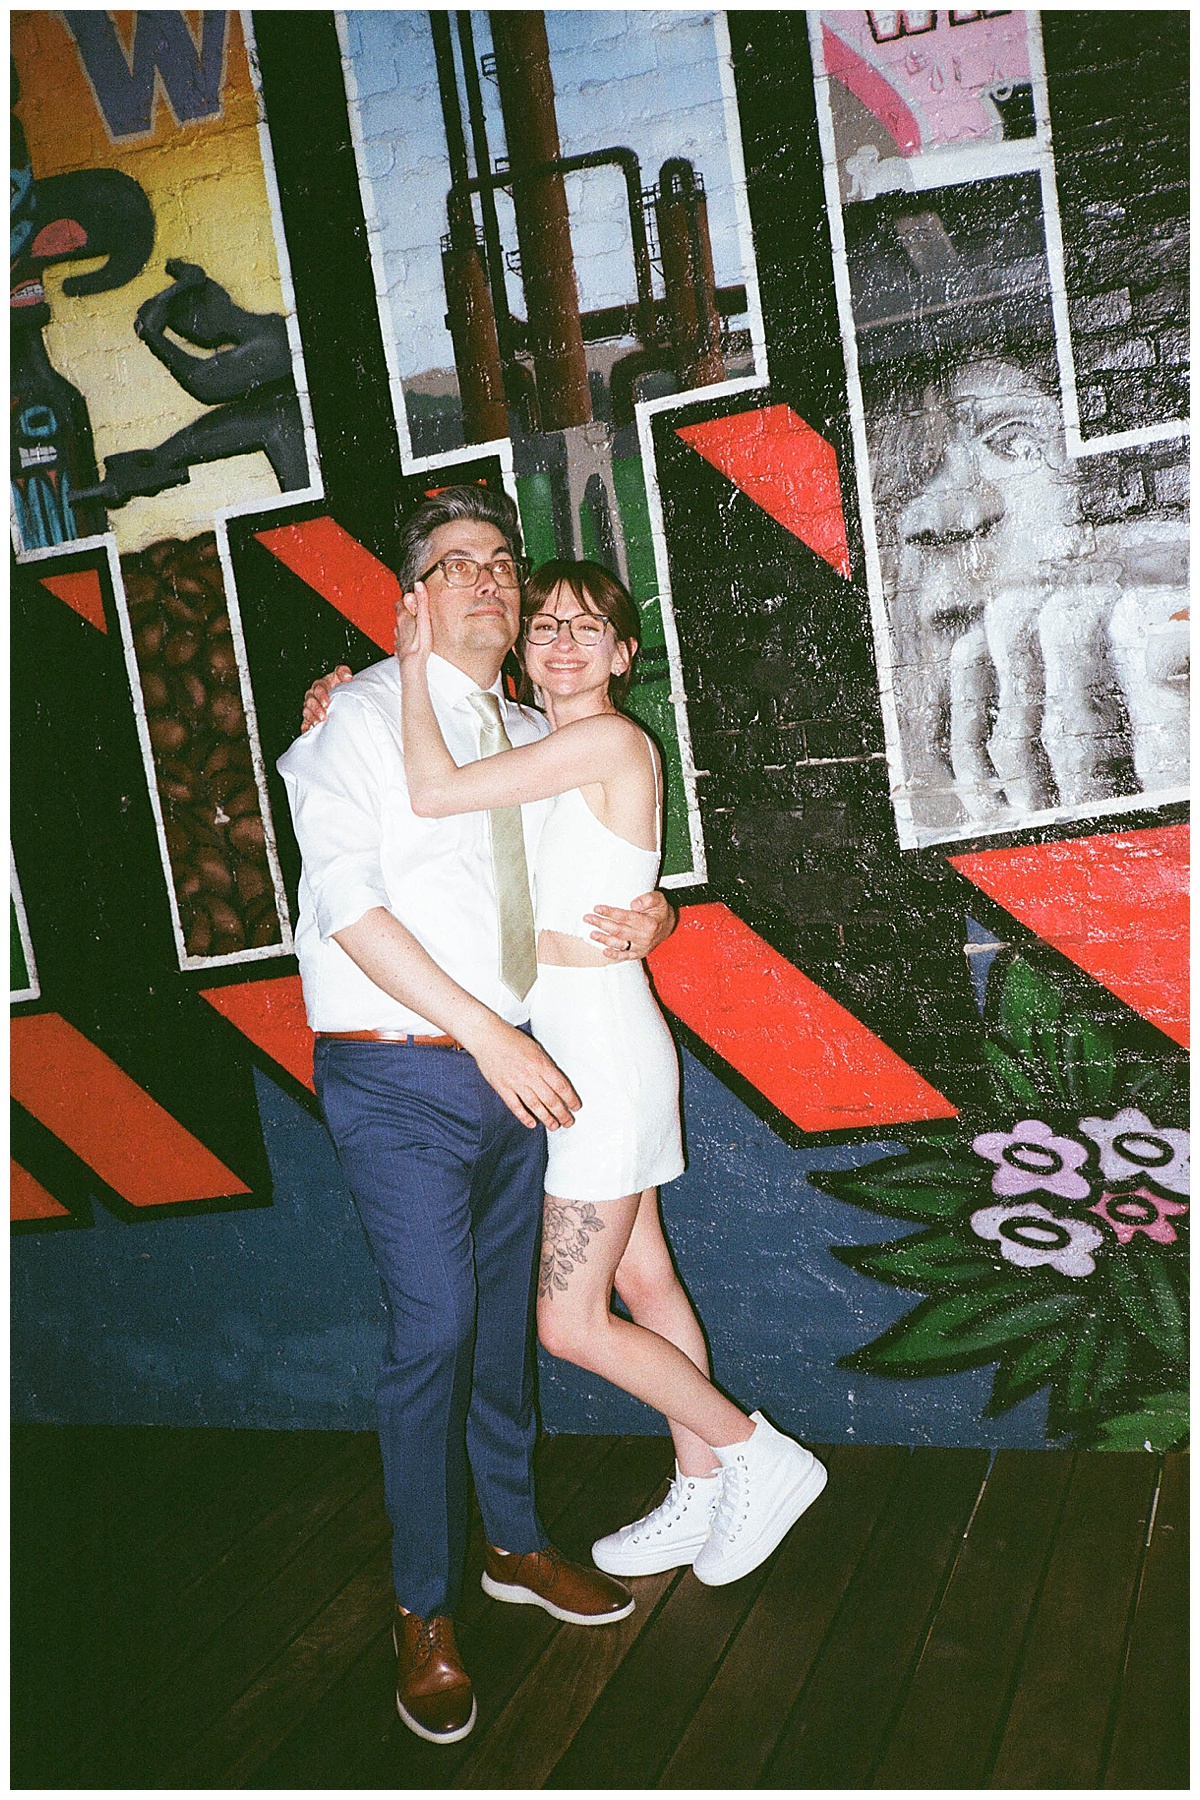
(687, 264)
(543, 222)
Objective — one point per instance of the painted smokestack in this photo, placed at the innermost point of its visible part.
(688, 278)
(469, 315)
(555, 337)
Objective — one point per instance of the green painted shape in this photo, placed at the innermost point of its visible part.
(650, 701)
(537, 517)
(18, 968)
(635, 523)
(587, 535)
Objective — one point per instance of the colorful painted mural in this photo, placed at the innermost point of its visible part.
(156, 394)
(553, 254)
(1032, 636)
(855, 341)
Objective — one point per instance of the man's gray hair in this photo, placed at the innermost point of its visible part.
(481, 505)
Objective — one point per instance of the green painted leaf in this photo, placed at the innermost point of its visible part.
(1011, 1080)
(1029, 1005)
(927, 1259)
(1160, 1423)
(1088, 1061)
(923, 1186)
(1160, 1092)
(1148, 1295)
(1026, 1369)
(1114, 1362)
(959, 1330)
(1073, 1389)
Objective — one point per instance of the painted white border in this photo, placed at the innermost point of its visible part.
(902, 809)
(958, 167)
(1078, 446)
(107, 543)
(644, 410)
(34, 990)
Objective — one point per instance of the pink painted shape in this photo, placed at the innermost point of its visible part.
(875, 92)
(938, 78)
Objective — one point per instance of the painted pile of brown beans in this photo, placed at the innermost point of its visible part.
(202, 762)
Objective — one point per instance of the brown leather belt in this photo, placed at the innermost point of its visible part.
(391, 1037)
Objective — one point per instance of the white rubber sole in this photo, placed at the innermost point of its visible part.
(680, 1558)
(439, 1737)
(523, 1596)
(772, 1533)
(423, 1731)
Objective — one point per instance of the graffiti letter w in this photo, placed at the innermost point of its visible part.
(162, 51)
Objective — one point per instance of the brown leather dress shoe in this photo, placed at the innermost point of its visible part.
(433, 1690)
(563, 1589)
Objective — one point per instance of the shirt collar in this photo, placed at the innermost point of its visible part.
(448, 683)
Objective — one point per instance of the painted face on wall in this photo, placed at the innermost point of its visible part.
(997, 504)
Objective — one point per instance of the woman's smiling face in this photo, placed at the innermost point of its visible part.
(563, 666)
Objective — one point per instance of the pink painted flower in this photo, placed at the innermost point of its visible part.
(1028, 1235)
(1139, 1211)
(1030, 1159)
(1130, 1145)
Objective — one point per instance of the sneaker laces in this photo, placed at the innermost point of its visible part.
(664, 1514)
(735, 1492)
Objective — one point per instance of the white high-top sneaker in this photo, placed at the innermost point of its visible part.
(667, 1538)
(766, 1483)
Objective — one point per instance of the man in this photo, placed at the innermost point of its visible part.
(416, 950)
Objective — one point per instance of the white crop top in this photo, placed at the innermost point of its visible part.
(581, 863)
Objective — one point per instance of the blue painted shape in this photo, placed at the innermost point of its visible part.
(273, 1318)
(162, 46)
(267, 1317)
(979, 961)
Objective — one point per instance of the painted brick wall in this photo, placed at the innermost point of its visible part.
(913, 619)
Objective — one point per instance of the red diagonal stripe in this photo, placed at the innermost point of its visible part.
(81, 591)
(343, 572)
(812, 1059)
(1116, 905)
(133, 1144)
(28, 1199)
(787, 468)
(271, 1014)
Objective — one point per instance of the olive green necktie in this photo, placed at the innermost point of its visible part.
(518, 954)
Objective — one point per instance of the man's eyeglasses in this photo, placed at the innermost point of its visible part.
(585, 628)
(464, 571)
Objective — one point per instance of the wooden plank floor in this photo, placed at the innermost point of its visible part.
(210, 1609)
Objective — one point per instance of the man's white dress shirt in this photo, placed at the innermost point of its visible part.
(363, 846)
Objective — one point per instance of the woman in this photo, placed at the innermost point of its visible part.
(739, 1484)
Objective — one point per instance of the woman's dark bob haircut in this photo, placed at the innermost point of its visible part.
(597, 590)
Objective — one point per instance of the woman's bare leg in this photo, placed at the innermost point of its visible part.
(648, 1284)
(583, 1245)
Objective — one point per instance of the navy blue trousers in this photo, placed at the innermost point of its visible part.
(448, 1186)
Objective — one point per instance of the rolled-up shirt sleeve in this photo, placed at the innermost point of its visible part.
(337, 784)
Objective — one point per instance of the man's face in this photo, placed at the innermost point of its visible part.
(473, 628)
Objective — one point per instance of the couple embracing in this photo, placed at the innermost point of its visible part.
(475, 904)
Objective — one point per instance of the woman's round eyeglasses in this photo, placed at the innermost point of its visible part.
(585, 628)
(464, 571)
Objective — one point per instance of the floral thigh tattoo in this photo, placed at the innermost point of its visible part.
(566, 1230)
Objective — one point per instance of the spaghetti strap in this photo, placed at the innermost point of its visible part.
(658, 786)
